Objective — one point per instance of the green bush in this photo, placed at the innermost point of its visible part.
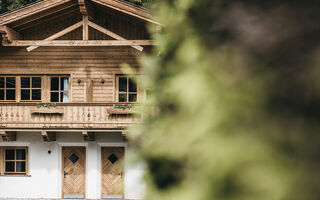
(237, 94)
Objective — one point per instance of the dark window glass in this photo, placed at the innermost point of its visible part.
(132, 85)
(25, 94)
(10, 95)
(36, 94)
(132, 97)
(1, 94)
(1, 82)
(11, 82)
(122, 84)
(10, 167)
(9, 154)
(122, 97)
(20, 154)
(54, 97)
(55, 83)
(25, 82)
(21, 166)
(64, 84)
(36, 82)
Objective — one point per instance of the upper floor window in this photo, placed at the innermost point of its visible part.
(59, 90)
(30, 88)
(127, 90)
(7, 88)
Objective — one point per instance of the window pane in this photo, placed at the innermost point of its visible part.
(64, 97)
(132, 85)
(25, 94)
(9, 154)
(20, 154)
(21, 166)
(64, 84)
(25, 82)
(11, 82)
(54, 97)
(54, 83)
(122, 97)
(1, 82)
(10, 94)
(122, 84)
(1, 94)
(132, 97)
(36, 82)
(36, 94)
(9, 166)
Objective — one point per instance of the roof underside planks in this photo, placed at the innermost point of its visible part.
(45, 8)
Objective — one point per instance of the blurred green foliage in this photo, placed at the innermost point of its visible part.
(235, 108)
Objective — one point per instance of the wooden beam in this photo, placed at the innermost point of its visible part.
(59, 34)
(89, 136)
(9, 34)
(110, 33)
(86, 8)
(23, 43)
(129, 9)
(8, 136)
(85, 29)
(48, 136)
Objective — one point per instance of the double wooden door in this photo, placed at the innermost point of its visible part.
(112, 172)
(73, 172)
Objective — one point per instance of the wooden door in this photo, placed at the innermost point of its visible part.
(112, 172)
(73, 172)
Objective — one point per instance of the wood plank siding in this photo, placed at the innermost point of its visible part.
(92, 70)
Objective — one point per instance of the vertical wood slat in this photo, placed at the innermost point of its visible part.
(1, 161)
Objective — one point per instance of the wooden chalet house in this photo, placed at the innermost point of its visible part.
(65, 104)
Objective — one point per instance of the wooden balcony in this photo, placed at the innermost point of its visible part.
(67, 116)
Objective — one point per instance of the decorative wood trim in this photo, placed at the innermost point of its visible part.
(8, 136)
(111, 34)
(121, 111)
(88, 136)
(47, 111)
(70, 43)
(85, 8)
(9, 34)
(48, 136)
(59, 34)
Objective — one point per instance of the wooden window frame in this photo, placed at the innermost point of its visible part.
(3, 162)
(5, 88)
(31, 88)
(118, 76)
(59, 88)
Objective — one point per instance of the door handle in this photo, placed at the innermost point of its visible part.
(65, 174)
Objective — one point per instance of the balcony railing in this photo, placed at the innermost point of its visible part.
(66, 116)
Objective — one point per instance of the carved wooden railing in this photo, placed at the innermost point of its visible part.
(67, 115)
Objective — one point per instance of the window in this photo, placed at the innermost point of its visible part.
(127, 90)
(59, 90)
(30, 88)
(15, 160)
(7, 88)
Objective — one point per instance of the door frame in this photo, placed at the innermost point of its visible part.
(62, 169)
(112, 144)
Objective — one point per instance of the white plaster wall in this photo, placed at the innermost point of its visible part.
(46, 173)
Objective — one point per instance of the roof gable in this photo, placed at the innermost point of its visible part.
(45, 6)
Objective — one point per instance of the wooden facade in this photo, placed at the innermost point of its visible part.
(83, 41)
